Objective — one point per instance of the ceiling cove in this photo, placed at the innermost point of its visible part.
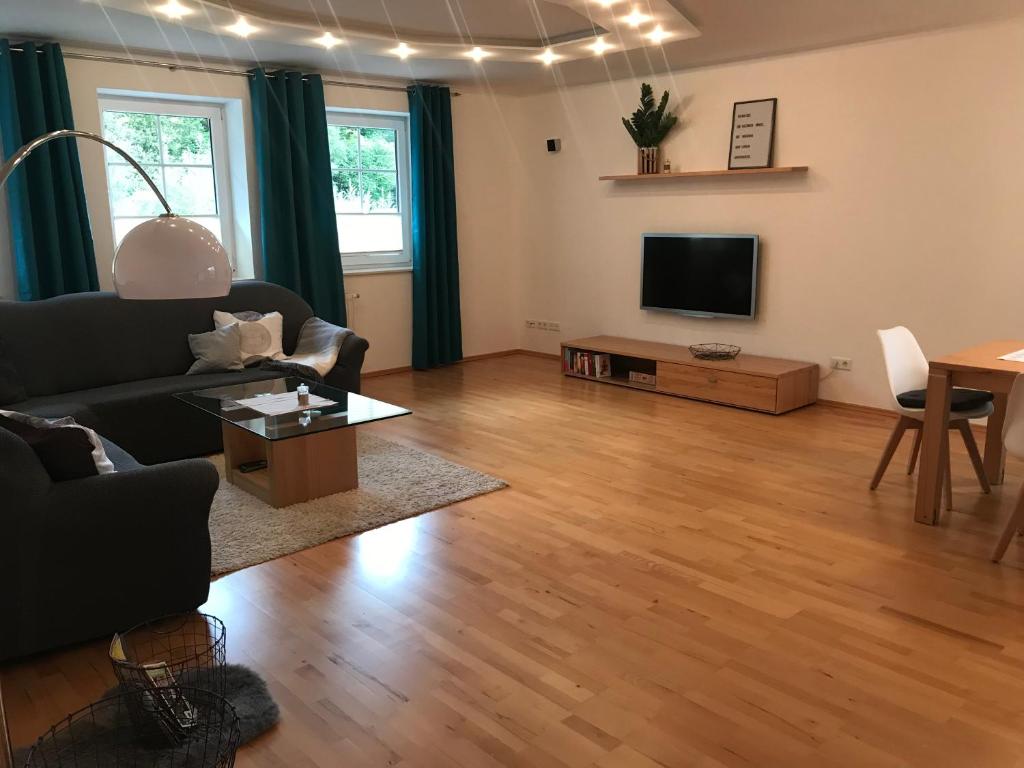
(502, 30)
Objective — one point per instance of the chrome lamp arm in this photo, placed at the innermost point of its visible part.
(18, 157)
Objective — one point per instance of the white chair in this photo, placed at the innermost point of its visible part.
(907, 369)
(1013, 439)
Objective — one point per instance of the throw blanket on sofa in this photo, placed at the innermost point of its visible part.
(317, 349)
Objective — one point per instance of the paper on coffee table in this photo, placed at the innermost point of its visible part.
(286, 402)
(1014, 357)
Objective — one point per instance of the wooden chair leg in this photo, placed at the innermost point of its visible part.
(949, 471)
(1012, 526)
(972, 450)
(915, 451)
(890, 449)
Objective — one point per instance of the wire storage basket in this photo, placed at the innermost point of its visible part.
(105, 735)
(714, 351)
(157, 657)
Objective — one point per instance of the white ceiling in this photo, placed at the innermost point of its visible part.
(513, 31)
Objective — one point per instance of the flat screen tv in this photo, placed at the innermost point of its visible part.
(700, 275)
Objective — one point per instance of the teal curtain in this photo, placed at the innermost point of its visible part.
(436, 317)
(50, 233)
(298, 227)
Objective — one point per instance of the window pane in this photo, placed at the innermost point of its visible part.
(212, 223)
(378, 148)
(343, 141)
(186, 140)
(346, 191)
(130, 195)
(122, 226)
(134, 132)
(380, 192)
(358, 233)
(191, 191)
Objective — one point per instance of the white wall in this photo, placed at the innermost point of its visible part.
(910, 213)
(383, 312)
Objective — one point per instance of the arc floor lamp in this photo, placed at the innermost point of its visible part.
(167, 257)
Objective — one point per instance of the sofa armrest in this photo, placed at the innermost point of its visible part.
(347, 370)
(156, 494)
(92, 556)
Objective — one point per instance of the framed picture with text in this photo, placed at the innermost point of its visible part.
(753, 134)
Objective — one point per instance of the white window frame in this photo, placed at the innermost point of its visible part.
(383, 261)
(218, 136)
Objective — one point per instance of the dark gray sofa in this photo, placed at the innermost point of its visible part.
(85, 558)
(114, 365)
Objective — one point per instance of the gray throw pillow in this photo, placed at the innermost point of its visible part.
(219, 350)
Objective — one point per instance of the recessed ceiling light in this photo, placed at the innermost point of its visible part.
(242, 27)
(549, 57)
(635, 18)
(327, 40)
(172, 9)
(402, 51)
(658, 34)
(606, 3)
(599, 46)
(478, 54)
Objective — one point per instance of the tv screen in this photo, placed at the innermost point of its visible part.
(701, 275)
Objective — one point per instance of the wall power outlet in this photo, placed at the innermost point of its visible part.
(842, 364)
(544, 325)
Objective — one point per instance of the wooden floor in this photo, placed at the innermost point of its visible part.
(665, 583)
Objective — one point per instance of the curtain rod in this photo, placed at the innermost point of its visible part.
(218, 71)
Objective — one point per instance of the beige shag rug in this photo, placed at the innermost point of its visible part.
(395, 482)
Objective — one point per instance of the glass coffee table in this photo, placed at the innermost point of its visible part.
(298, 455)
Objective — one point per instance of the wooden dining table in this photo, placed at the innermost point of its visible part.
(976, 368)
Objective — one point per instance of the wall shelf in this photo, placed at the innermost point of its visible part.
(699, 174)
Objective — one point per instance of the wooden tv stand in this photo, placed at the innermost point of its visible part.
(766, 384)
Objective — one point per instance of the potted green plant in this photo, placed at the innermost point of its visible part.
(648, 127)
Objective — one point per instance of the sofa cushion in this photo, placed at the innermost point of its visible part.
(119, 457)
(261, 334)
(85, 341)
(216, 351)
(11, 387)
(103, 399)
(144, 418)
(65, 452)
(66, 449)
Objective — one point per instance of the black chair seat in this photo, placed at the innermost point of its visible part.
(963, 399)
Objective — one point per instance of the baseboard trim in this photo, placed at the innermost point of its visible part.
(469, 359)
(385, 372)
(869, 409)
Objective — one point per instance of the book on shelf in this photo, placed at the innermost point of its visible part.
(595, 365)
(638, 377)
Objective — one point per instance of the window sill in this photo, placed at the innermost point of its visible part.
(357, 272)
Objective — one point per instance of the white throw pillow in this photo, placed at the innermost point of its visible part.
(261, 334)
(104, 466)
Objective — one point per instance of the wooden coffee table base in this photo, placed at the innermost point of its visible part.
(298, 469)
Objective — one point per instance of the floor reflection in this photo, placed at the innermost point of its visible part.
(384, 554)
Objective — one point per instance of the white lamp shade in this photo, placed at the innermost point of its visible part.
(171, 257)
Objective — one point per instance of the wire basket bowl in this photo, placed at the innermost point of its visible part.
(184, 650)
(105, 735)
(714, 351)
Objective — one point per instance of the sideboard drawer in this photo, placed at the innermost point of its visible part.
(743, 389)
